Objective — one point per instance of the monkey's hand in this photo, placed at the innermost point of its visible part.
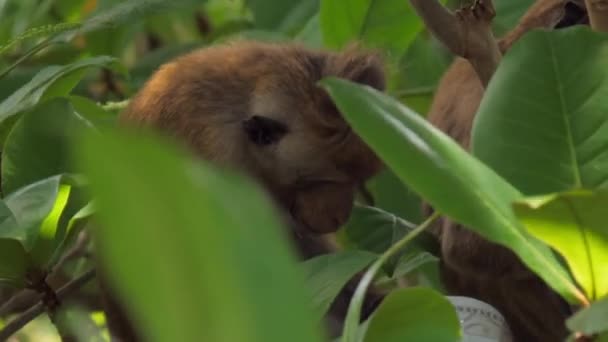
(475, 26)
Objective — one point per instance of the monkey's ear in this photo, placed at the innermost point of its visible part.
(358, 65)
(264, 131)
(370, 72)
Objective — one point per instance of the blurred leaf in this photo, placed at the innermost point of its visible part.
(390, 24)
(327, 275)
(210, 274)
(39, 143)
(150, 62)
(52, 81)
(272, 15)
(299, 16)
(549, 134)
(310, 34)
(257, 35)
(414, 314)
(112, 41)
(422, 66)
(591, 320)
(477, 198)
(508, 13)
(13, 263)
(118, 13)
(574, 224)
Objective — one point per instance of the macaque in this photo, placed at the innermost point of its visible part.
(472, 266)
(257, 108)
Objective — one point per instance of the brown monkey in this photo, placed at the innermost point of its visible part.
(257, 108)
(472, 266)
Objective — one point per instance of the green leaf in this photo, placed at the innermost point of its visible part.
(452, 181)
(414, 314)
(375, 230)
(126, 12)
(412, 261)
(390, 24)
(327, 275)
(591, 320)
(574, 224)
(30, 206)
(508, 13)
(52, 81)
(38, 145)
(391, 195)
(549, 134)
(151, 61)
(209, 246)
(310, 34)
(91, 113)
(13, 263)
(285, 14)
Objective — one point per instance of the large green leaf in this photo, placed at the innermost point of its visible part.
(327, 275)
(574, 224)
(38, 145)
(210, 262)
(389, 24)
(591, 320)
(52, 81)
(543, 122)
(454, 182)
(414, 314)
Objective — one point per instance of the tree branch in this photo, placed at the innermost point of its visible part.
(466, 33)
(33, 312)
(598, 14)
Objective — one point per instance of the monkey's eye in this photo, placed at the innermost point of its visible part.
(264, 131)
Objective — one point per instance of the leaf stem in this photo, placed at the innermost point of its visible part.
(353, 315)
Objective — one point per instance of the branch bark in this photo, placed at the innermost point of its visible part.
(33, 312)
(466, 33)
(598, 14)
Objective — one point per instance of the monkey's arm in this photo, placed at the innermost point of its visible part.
(466, 33)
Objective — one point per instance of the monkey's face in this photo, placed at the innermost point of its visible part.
(258, 108)
(302, 143)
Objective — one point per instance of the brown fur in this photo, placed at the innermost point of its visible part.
(472, 266)
(203, 99)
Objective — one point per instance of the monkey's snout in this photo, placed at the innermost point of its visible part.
(325, 208)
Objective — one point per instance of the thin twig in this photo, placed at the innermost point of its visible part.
(33, 312)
